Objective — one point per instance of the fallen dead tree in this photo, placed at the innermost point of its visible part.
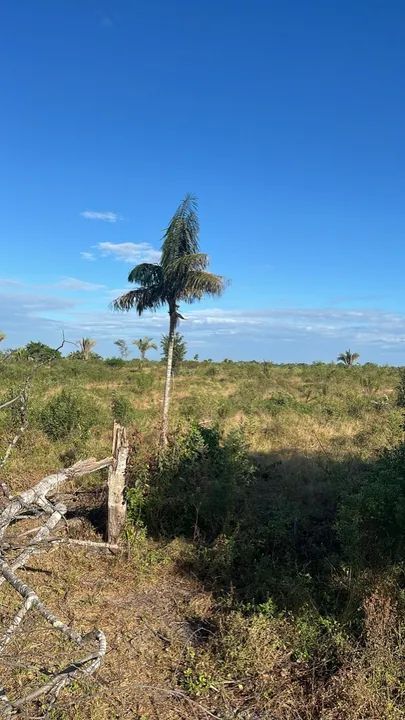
(37, 502)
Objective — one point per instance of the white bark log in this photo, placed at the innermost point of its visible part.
(46, 486)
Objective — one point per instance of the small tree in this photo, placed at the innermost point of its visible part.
(40, 352)
(144, 345)
(85, 347)
(123, 348)
(179, 350)
(348, 358)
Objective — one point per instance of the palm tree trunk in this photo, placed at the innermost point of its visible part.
(168, 383)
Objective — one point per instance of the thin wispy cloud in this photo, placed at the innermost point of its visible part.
(288, 334)
(10, 282)
(89, 256)
(130, 252)
(71, 283)
(107, 216)
(263, 333)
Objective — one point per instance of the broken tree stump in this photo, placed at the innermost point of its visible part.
(117, 507)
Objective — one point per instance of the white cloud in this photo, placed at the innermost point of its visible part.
(70, 283)
(108, 216)
(291, 334)
(89, 256)
(130, 252)
(309, 329)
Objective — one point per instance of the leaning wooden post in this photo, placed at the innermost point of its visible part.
(117, 508)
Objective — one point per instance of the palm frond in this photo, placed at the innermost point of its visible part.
(144, 345)
(348, 358)
(141, 299)
(194, 261)
(181, 236)
(146, 274)
(145, 341)
(182, 273)
(199, 283)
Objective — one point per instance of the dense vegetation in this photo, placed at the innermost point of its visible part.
(281, 492)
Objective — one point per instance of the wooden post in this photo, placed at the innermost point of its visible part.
(117, 508)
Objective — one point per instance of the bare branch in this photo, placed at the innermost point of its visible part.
(35, 501)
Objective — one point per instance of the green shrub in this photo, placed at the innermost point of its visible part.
(122, 410)
(141, 381)
(278, 403)
(225, 408)
(115, 362)
(67, 414)
(196, 484)
(371, 514)
(41, 353)
(194, 408)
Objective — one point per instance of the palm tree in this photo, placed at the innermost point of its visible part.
(123, 348)
(144, 344)
(181, 275)
(86, 345)
(2, 336)
(348, 358)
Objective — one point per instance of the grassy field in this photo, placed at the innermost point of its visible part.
(261, 575)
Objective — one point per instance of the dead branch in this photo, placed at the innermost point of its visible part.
(35, 501)
(10, 402)
(41, 535)
(38, 493)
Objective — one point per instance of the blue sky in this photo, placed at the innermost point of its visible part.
(286, 119)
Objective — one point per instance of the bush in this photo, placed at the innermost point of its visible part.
(371, 515)
(78, 355)
(67, 414)
(142, 381)
(122, 409)
(196, 484)
(115, 362)
(41, 353)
